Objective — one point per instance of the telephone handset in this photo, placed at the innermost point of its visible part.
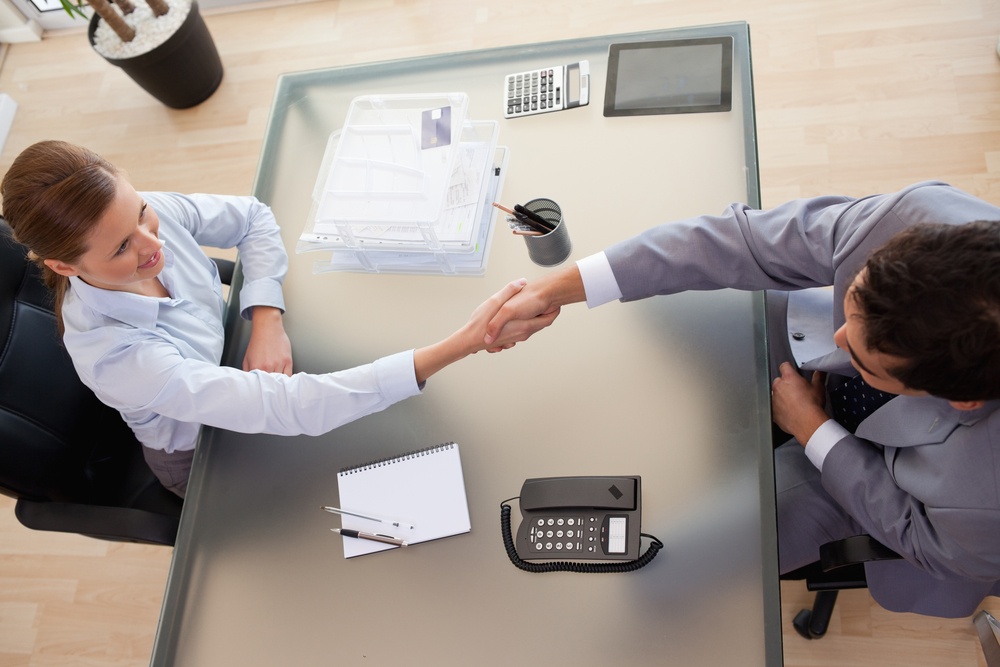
(579, 518)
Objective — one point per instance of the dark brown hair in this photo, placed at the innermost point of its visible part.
(53, 195)
(931, 296)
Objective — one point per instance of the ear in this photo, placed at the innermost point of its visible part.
(62, 268)
(966, 405)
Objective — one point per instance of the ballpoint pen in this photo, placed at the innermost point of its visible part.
(374, 537)
(534, 216)
(391, 522)
(525, 220)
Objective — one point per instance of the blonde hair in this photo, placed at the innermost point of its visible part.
(54, 194)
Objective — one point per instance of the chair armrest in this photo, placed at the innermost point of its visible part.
(853, 550)
(226, 268)
(120, 524)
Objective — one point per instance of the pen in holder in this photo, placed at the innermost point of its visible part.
(553, 247)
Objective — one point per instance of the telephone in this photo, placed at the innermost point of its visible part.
(580, 518)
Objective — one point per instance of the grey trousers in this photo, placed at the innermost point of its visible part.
(171, 469)
(807, 516)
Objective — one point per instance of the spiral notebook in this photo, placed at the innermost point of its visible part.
(423, 488)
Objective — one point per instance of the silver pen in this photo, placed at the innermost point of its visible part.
(391, 522)
(374, 537)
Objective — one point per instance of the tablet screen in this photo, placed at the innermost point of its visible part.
(677, 76)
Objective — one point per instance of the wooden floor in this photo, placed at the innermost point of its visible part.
(852, 97)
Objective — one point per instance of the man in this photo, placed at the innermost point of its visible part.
(916, 309)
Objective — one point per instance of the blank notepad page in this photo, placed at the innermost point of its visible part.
(425, 489)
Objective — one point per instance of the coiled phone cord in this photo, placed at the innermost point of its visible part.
(568, 566)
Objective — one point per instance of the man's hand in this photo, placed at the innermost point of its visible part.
(469, 339)
(796, 404)
(269, 349)
(535, 306)
(516, 331)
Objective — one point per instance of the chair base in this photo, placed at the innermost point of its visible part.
(813, 623)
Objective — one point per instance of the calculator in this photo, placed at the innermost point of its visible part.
(547, 89)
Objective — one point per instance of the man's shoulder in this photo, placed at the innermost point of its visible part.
(937, 201)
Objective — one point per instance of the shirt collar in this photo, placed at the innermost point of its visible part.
(134, 310)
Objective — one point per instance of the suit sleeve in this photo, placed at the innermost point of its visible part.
(804, 243)
(943, 541)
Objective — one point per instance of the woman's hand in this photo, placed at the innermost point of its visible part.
(269, 349)
(469, 339)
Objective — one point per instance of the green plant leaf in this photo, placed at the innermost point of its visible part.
(73, 10)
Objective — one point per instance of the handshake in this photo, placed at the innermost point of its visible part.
(508, 317)
(520, 309)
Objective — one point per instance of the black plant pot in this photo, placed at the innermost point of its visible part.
(181, 72)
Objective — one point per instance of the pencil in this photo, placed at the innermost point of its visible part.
(526, 220)
(534, 216)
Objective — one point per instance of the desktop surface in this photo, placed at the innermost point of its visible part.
(673, 389)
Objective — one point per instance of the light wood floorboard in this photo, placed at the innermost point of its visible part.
(853, 97)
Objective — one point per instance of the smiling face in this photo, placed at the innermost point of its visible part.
(873, 365)
(123, 250)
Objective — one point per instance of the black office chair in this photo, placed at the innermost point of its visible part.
(841, 566)
(70, 461)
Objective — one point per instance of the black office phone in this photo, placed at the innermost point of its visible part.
(579, 518)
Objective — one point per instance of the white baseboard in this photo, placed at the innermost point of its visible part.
(30, 31)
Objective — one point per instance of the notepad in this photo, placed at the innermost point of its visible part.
(424, 488)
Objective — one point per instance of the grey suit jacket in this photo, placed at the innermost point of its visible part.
(930, 489)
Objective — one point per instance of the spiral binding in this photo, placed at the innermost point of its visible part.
(389, 460)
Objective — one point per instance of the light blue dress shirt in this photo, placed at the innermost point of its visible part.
(156, 360)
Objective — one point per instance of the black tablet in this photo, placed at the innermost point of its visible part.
(675, 76)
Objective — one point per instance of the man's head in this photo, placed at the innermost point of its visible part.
(925, 312)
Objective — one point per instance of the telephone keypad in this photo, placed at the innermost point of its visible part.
(581, 536)
(545, 536)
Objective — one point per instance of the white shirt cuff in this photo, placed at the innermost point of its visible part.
(395, 376)
(599, 281)
(823, 440)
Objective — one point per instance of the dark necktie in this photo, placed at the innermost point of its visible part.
(853, 400)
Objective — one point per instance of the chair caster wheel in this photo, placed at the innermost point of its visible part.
(802, 623)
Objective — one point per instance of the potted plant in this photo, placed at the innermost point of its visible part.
(163, 45)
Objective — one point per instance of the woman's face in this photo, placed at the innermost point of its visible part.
(123, 250)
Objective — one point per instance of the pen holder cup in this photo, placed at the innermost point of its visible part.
(552, 248)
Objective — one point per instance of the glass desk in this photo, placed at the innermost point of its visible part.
(674, 389)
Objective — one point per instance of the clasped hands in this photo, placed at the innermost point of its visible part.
(513, 315)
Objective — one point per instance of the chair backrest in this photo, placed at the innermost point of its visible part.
(58, 442)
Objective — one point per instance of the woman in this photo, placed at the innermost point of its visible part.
(140, 309)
